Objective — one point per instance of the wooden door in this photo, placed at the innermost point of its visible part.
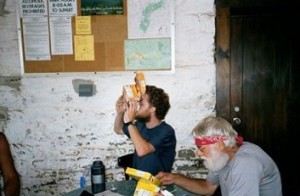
(258, 79)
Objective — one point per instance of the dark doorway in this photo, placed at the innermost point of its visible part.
(258, 79)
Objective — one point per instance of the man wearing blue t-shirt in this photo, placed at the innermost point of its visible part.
(154, 140)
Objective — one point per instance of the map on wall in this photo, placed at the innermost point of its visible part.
(149, 19)
(148, 54)
(150, 26)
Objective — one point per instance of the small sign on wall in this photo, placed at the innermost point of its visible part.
(101, 7)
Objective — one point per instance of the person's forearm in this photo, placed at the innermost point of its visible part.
(118, 124)
(12, 187)
(198, 186)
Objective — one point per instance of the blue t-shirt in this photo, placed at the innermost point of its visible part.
(163, 139)
(251, 172)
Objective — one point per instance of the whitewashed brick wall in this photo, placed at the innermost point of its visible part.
(55, 134)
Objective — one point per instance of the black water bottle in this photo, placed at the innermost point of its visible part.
(98, 177)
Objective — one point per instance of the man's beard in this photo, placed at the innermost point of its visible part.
(217, 161)
(144, 119)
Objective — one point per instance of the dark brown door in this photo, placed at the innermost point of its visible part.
(258, 79)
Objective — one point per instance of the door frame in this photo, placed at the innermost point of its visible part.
(222, 57)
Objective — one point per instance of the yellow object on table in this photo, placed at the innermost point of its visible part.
(147, 184)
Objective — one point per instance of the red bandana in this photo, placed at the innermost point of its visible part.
(208, 140)
(199, 141)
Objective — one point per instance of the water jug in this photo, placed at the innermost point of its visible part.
(98, 177)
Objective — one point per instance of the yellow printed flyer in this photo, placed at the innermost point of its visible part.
(83, 25)
(84, 48)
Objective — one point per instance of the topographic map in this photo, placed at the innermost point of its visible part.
(149, 35)
(148, 54)
(149, 19)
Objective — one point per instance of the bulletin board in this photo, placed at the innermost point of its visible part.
(115, 47)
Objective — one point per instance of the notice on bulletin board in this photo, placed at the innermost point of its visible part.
(62, 7)
(61, 35)
(83, 25)
(33, 8)
(36, 38)
(84, 48)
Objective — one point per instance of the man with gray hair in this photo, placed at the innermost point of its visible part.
(239, 168)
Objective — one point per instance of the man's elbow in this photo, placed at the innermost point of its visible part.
(141, 153)
(144, 151)
(118, 132)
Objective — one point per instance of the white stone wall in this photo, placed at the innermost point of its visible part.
(9, 50)
(55, 134)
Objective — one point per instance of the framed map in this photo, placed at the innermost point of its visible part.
(148, 54)
(150, 43)
(149, 19)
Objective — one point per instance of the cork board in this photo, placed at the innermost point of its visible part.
(110, 33)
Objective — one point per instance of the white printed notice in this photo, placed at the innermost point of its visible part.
(61, 35)
(36, 38)
(33, 8)
(62, 7)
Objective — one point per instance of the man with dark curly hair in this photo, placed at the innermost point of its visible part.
(154, 139)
